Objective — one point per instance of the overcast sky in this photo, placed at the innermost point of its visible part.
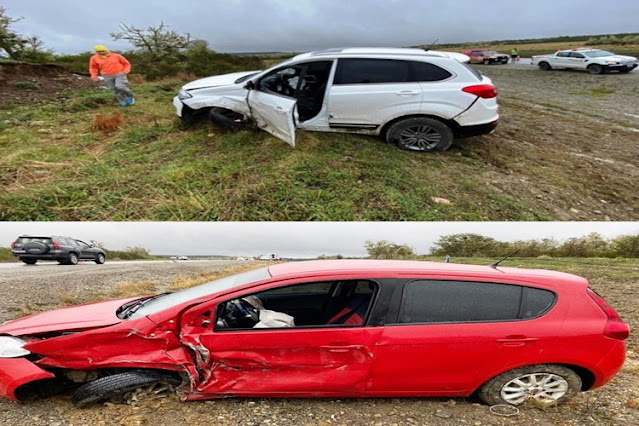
(73, 26)
(295, 239)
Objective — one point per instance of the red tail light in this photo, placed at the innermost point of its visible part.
(56, 246)
(485, 91)
(13, 244)
(615, 327)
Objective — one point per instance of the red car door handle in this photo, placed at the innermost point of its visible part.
(517, 339)
(340, 348)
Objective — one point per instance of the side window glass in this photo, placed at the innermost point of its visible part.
(317, 304)
(424, 71)
(82, 244)
(563, 54)
(536, 302)
(459, 301)
(371, 71)
(576, 55)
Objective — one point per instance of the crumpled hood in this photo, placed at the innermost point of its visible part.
(216, 80)
(71, 318)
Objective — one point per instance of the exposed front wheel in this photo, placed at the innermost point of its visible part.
(544, 66)
(486, 61)
(29, 261)
(421, 135)
(595, 69)
(540, 384)
(130, 386)
(100, 259)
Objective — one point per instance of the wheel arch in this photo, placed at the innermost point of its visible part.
(450, 123)
(587, 377)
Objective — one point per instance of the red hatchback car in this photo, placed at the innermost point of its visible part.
(345, 328)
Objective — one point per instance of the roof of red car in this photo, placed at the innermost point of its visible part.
(354, 265)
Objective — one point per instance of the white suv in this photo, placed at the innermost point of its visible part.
(417, 99)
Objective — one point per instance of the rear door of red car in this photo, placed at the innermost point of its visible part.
(448, 335)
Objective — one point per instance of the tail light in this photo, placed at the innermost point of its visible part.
(615, 327)
(56, 246)
(13, 244)
(484, 91)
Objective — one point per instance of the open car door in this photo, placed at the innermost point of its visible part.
(274, 114)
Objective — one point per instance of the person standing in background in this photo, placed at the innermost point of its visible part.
(514, 55)
(113, 68)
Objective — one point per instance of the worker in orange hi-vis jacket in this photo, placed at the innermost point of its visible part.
(113, 69)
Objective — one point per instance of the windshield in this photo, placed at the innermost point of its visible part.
(179, 297)
(597, 53)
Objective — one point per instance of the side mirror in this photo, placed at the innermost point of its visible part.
(250, 86)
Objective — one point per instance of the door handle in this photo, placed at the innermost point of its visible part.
(279, 108)
(407, 93)
(517, 340)
(340, 348)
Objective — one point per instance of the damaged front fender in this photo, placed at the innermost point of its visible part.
(15, 372)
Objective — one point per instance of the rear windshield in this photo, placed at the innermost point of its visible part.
(25, 240)
(474, 71)
(212, 287)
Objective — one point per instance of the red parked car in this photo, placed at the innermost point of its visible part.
(345, 328)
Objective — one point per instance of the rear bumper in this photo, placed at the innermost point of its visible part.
(610, 365)
(476, 130)
(52, 255)
(15, 372)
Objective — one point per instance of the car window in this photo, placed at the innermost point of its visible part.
(25, 240)
(317, 304)
(371, 71)
(424, 71)
(282, 81)
(463, 301)
(82, 244)
(65, 242)
(576, 55)
(174, 299)
(563, 54)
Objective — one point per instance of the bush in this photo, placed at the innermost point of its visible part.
(26, 85)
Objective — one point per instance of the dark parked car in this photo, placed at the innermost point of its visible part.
(336, 329)
(65, 250)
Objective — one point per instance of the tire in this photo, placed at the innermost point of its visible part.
(420, 135)
(595, 69)
(29, 261)
(100, 259)
(108, 387)
(36, 248)
(486, 61)
(561, 384)
(544, 66)
(73, 259)
(227, 119)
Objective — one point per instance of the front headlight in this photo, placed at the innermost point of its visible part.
(11, 347)
(183, 94)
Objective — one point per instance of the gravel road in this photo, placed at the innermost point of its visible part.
(42, 285)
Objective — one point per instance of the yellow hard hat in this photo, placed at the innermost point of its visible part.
(100, 48)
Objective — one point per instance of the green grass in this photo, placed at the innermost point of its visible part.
(54, 167)
(588, 267)
(26, 85)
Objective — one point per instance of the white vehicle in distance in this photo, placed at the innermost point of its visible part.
(594, 61)
(182, 258)
(415, 98)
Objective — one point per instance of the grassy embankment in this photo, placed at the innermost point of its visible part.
(55, 167)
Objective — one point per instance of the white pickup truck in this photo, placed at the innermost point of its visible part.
(594, 61)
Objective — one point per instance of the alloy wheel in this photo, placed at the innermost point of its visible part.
(542, 388)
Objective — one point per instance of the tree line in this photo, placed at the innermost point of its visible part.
(158, 52)
(475, 245)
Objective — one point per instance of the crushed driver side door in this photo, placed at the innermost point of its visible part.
(274, 114)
